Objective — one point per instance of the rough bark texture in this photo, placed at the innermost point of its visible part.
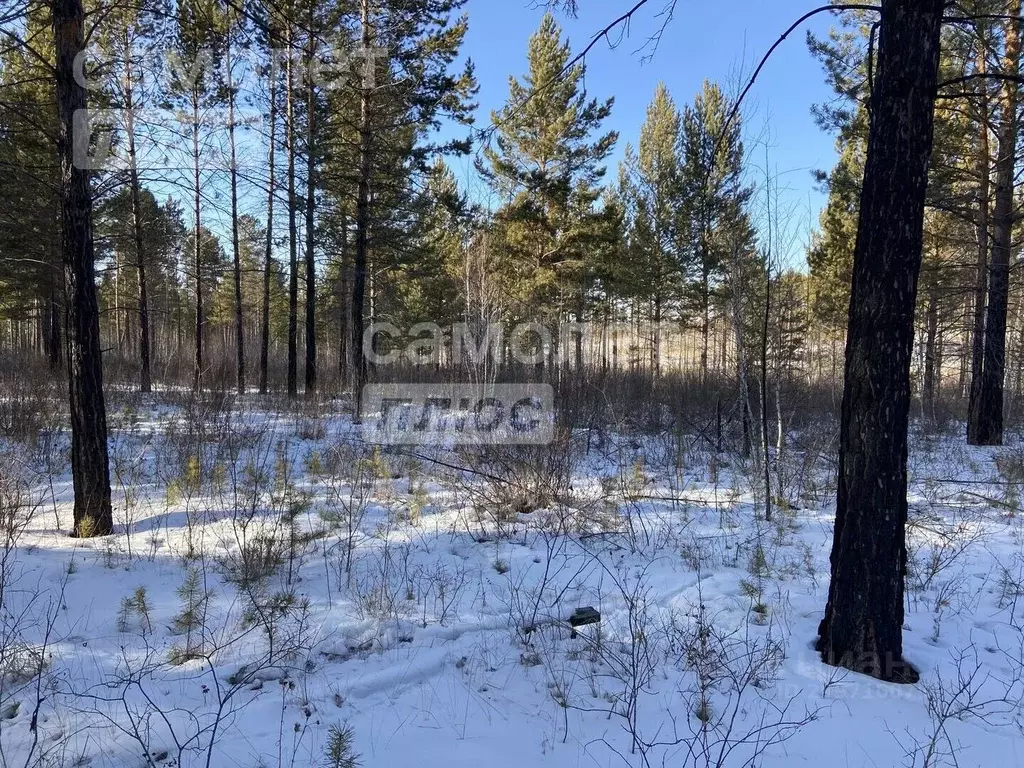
(236, 257)
(90, 468)
(981, 275)
(310, 220)
(357, 368)
(987, 413)
(146, 375)
(293, 245)
(343, 302)
(862, 628)
(197, 374)
(932, 363)
(268, 255)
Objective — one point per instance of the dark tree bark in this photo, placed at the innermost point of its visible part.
(146, 375)
(987, 415)
(931, 355)
(981, 275)
(357, 367)
(581, 313)
(268, 255)
(705, 321)
(293, 245)
(90, 467)
(197, 373)
(656, 337)
(310, 218)
(863, 624)
(53, 315)
(235, 247)
(343, 302)
(1018, 377)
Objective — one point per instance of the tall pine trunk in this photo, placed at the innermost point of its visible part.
(236, 256)
(981, 275)
(581, 303)
(90, 464)
(146, 375)
(742, 367)
(268, 255)
(357, 368)
(656, 337)
(987, 416)
(931, 355)
(863, 623)
(293, 245)
(310, 215)
(54, 318)
(705, 321)
(343, 303)
(197, 374)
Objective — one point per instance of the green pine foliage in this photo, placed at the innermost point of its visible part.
(546, 165)
(190, 622)
(340, 751)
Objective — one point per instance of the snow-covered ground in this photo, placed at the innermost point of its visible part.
(274, 581)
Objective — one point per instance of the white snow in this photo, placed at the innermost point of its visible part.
(425, 650)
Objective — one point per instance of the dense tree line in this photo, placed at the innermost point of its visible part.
(969, 323)
(272, 189)
(320, 188)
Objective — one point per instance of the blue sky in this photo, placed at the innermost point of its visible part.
(706, 40)
(719, 41)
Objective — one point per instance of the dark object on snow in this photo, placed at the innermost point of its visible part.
(583, 616)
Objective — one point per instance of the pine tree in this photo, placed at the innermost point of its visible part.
(397, 104)
(714, 199)
(428, 286)
(986, 416)
(30, 238)
(830, 257)
(132, 36)
(863, 623)
(117, 228)
(90, 464)
(651, 185)
(547, 165)
(198, 48)
(236, 38)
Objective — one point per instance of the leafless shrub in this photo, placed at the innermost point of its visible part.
(440, 590)
(138, 698)
(382, 581)
(348, 475)
(936, 543)
(1011, 583)
(629, 655)
(127, 464)
(31, 398)
(502, 484)
(27, 635)
(726, 678)
(734, 716)
(805, 473)
(972, 693)
(309, 420)
(536, 600)
(18, 507)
